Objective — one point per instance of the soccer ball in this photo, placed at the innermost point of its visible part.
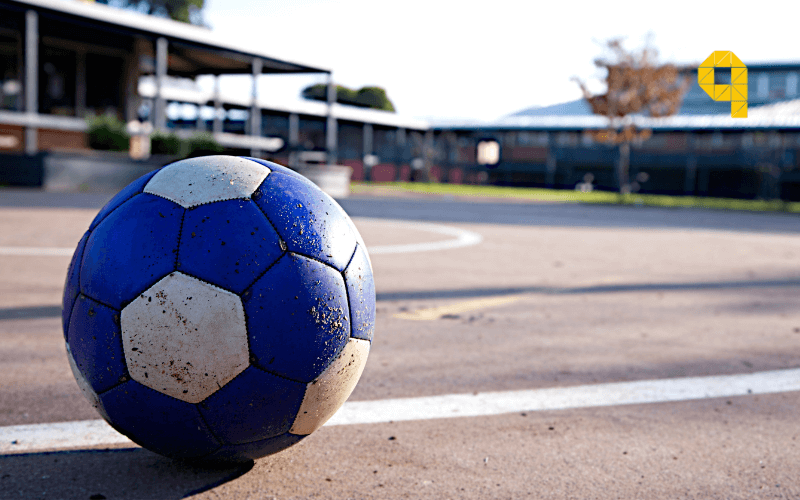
(219, 308)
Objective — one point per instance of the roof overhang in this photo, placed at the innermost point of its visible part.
(193, 50)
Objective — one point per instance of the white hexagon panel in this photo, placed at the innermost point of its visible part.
(184, 337)
(196, 181)
(328, 392)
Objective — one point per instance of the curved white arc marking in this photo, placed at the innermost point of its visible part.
(63, 435)
(464, 238)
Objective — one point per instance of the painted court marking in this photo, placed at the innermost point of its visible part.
(463, 238)
(37, 251)
(81, 434)
(434, 313)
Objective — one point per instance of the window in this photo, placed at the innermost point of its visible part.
(763, 85)
(722, 76)
(57, 82)
(104, 76)
(10, 84)
(791, 84)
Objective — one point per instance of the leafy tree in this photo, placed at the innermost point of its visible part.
(365, 97)
(187, 11)
(635, 84)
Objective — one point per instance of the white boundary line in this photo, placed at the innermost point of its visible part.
(37, 251)
(463, 238)
(81, 434)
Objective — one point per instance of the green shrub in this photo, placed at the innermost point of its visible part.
(108, 133)
(164, 143)
(203, 144)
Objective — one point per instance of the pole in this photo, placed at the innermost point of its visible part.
(31, 80)
(330, 129)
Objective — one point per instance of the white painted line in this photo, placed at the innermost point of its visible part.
(463, 238)
(37, 251)
(59, 436)
(562, 398)
(28, 438)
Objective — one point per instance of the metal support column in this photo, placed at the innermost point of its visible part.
(691, 176)
(199, 123)
(331, 139)
(366, 156)
(160, 115)
(80, 84)
(550, 165)
(427, 155)
(255, 111)
(401, 145)
(31, 80)
(218, 111)
(690, 181)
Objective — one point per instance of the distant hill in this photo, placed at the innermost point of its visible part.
(572, 108)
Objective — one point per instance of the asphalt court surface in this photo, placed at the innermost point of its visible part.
(553, 296)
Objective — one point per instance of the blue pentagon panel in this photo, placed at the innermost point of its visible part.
(158, 422)
(95, 341)
(361, 293)
(308, 220)
(127, 193)
(254, 405)
(227, 243)
(277, 168)
(131, 249)
(297, 317)
(256, 449)
(72, 284)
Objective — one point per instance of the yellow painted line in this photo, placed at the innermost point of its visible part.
(434, 313)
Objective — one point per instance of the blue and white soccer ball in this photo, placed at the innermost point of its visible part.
(219, 308)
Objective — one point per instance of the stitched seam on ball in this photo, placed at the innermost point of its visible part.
(134, 195)
(71, 310)
(274, 227)
(127, 378)
(198, 279)
(245, 198)
(208, 427)
(101, 302)
(334, 357)
(250, 158)
(178, 246)
(352, 256)
(311, 257)
(79, 265)
(265, 271)
(284, 377)
(266, 438)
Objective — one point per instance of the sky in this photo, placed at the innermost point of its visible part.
(463, 60)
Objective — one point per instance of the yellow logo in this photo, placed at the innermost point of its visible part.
(736, 92)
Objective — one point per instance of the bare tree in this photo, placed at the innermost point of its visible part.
(635, 84)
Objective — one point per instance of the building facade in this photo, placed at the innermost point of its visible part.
(62, 61)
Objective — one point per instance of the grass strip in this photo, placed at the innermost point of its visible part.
(572, 196)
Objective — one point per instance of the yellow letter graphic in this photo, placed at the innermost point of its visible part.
(736, 92)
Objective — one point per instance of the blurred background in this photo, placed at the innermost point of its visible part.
(94, 94)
